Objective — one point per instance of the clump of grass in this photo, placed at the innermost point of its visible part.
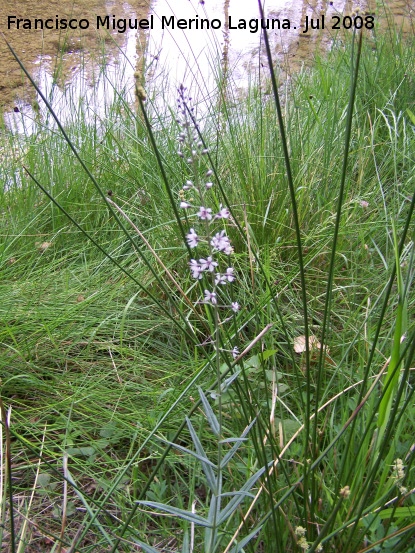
(119, 379)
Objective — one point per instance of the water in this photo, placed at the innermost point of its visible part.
(192, 56)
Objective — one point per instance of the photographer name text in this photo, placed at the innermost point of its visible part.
(121, 25)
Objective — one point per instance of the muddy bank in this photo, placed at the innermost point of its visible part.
(61, 53)
(64, 50)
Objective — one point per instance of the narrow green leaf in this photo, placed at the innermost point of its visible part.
(411, 115)
(88, 508)
(210, 415)
(233, 494)
(392, 376)
(186, 543)
(181, 513)
(232, 440)
(192, 453)
(246, 540)
(242, 493)
(147, 548)
(235, 448)
(268, 353)
(83, 451)
(228, 381)
(213, 517)
(399, 512)
(207, 469)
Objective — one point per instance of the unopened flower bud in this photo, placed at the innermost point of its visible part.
(345, 492)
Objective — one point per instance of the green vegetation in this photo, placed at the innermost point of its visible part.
(104, 341)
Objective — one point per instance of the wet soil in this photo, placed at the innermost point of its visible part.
(64, 52)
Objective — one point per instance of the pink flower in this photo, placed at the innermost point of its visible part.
(192, 238)
(205, 213)
(208, 264)
(229, 274)
(220, 242)
(184, 205)
(220, 279)
(196, 269)
(223, 213)
(235, 306)
(210, 297)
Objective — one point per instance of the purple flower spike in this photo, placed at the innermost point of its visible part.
(192, 238)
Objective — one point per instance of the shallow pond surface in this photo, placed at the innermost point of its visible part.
(170, 41)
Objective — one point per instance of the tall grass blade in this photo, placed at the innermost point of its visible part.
(392, 375)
